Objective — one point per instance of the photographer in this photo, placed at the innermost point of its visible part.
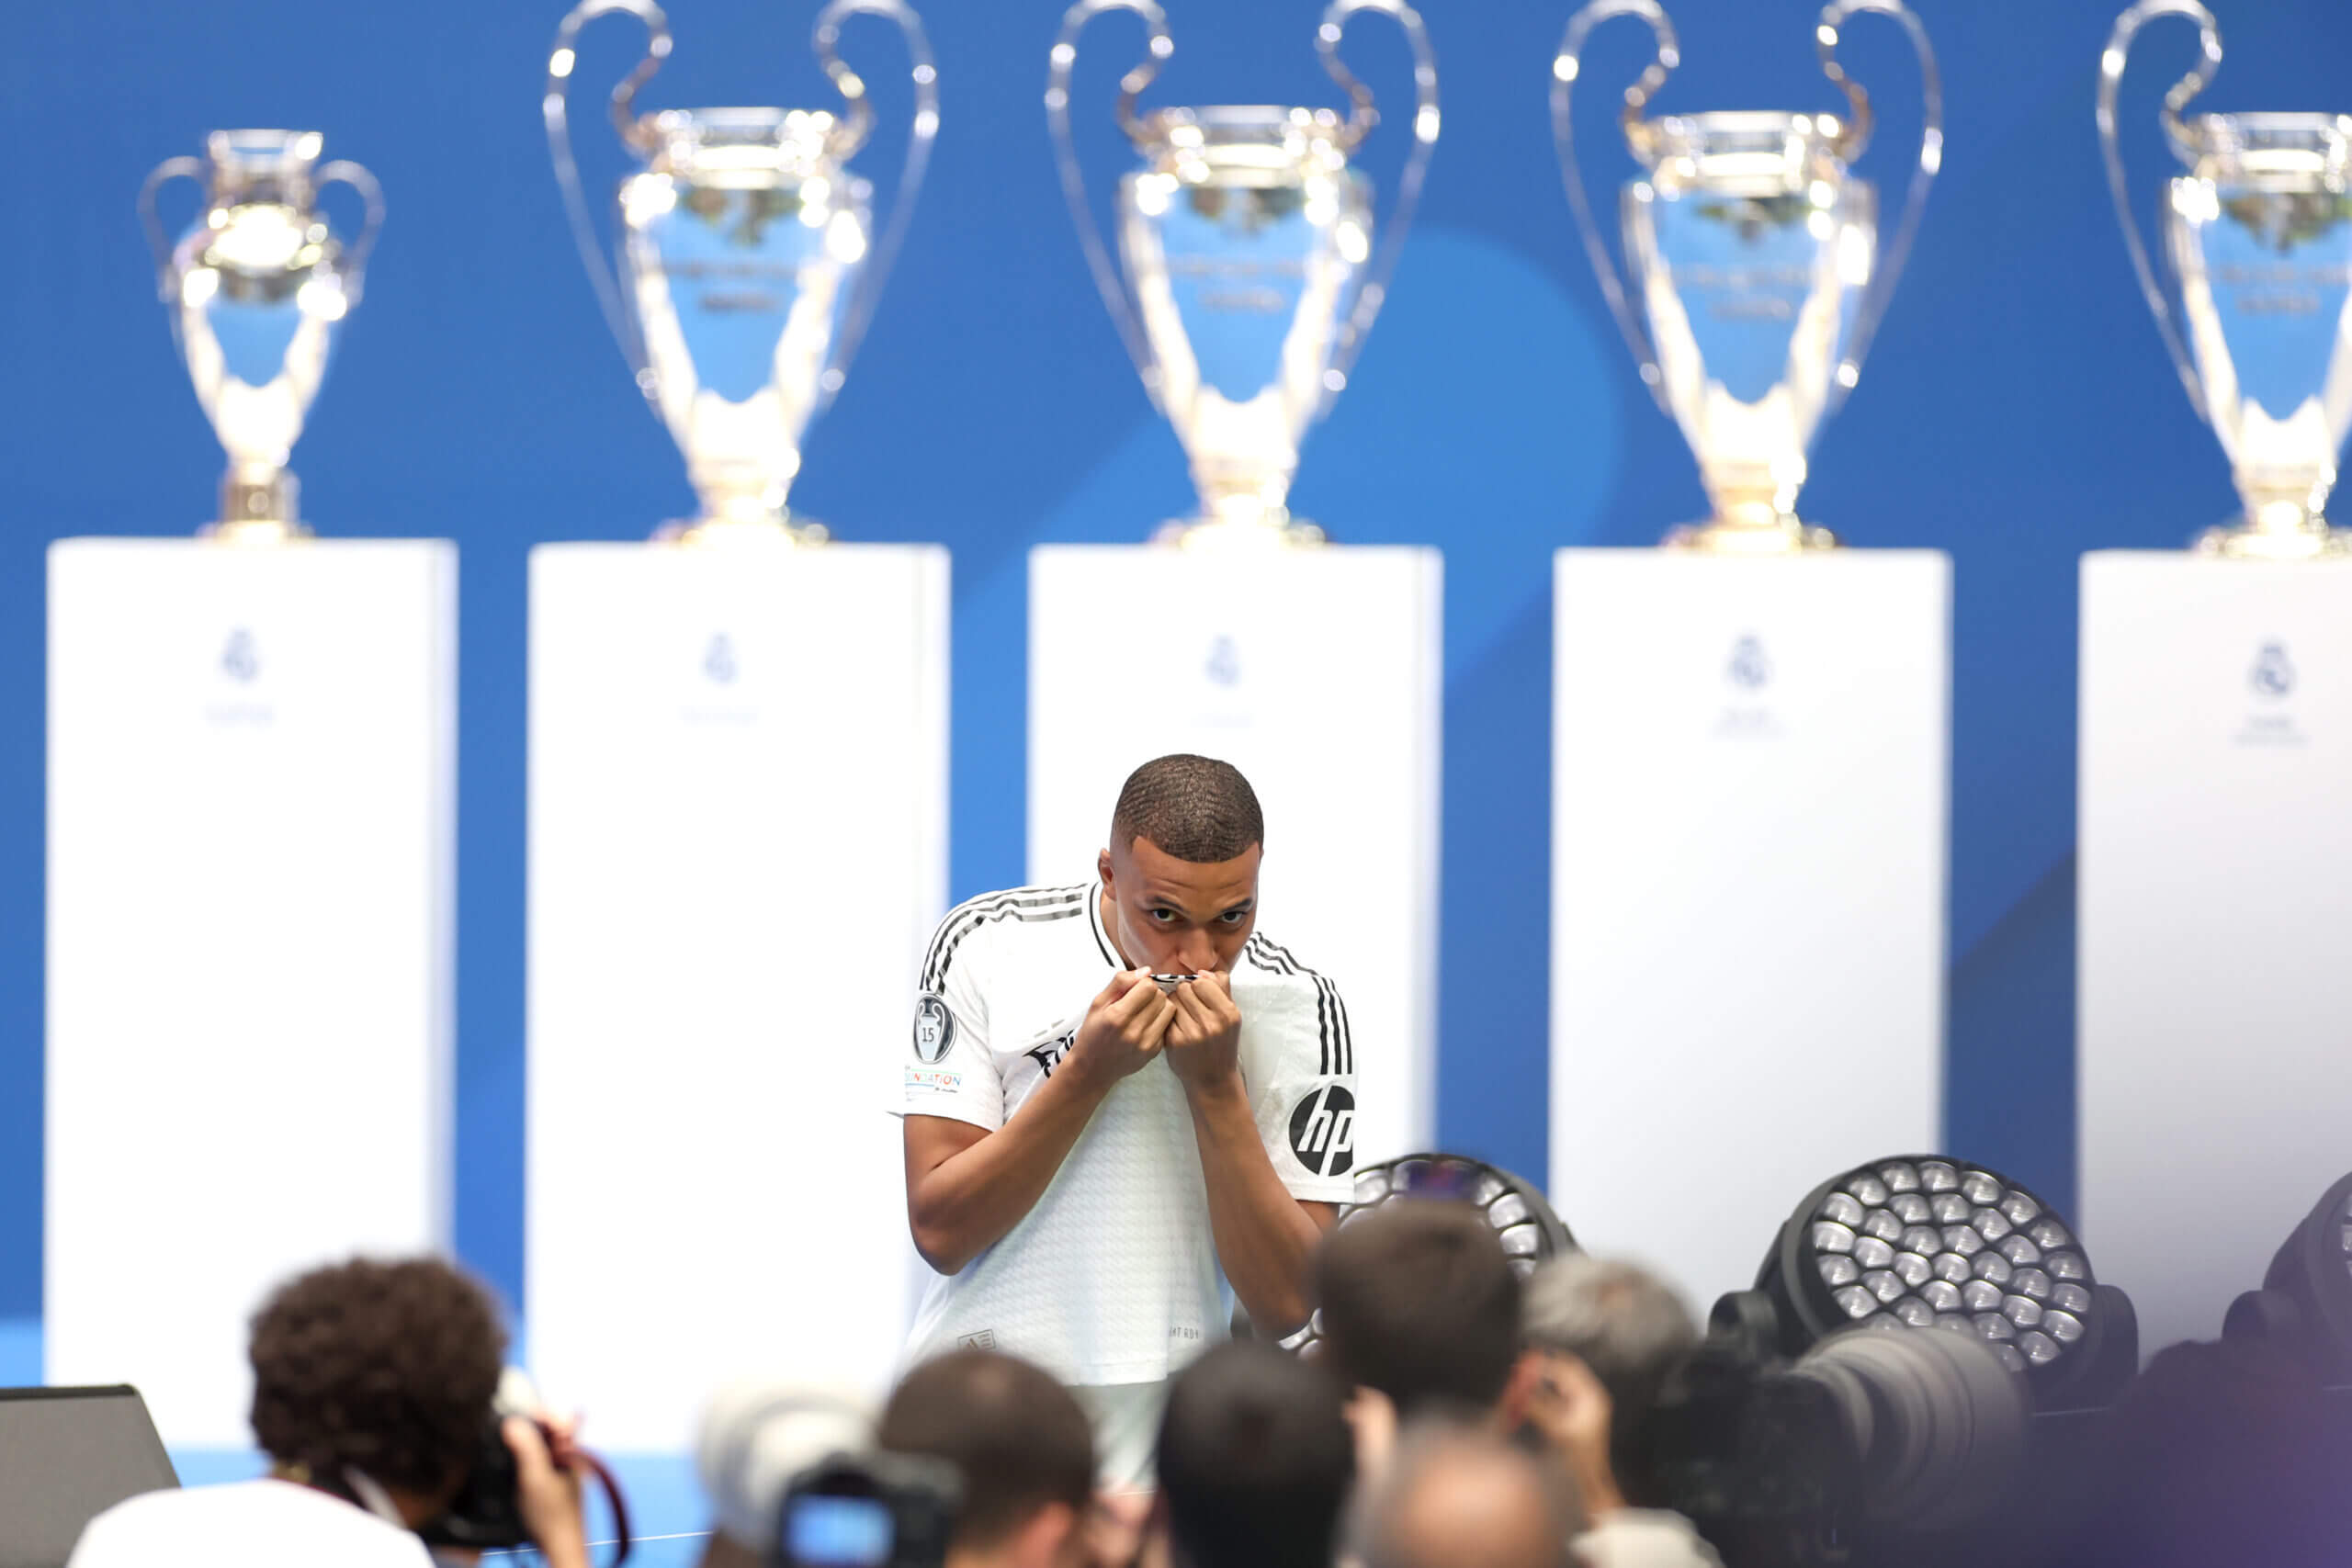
(1420, 1303)
(1601, 1336)
(373, 1384)
(1460, 1496)
(1256, 1459)
(1021, 1447)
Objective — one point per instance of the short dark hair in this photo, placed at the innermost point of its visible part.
(1420, 1301)
(389, 1367)
(1195, 809)
(1017, 1438)
(1256, 1458)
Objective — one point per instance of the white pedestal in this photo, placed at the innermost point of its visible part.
(1318, 673)
(252, 800)
(1749, 853)
(2215, 900)
(739, 829)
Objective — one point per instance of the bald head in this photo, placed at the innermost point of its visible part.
(1460, 1496)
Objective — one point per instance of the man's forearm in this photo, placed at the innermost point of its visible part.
(967, 1202)
(1265, 1237)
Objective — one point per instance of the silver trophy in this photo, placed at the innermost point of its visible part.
(1755, 252)
(1251, 276)
(749, 263)
(257, 287)
(2259, 237)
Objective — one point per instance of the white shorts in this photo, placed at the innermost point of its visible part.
(1126, 1430)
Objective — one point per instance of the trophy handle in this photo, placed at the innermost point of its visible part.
(854, 130)
(1123, 310)
(2110, 80)
(561, 62)
(1565, 68)
(1362, 117)
(1931, 157)
(343, 170)
(164, 174)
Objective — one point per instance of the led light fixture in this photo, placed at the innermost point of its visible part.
(1924, 1241)
(1523, 1220)
(2305, 1304)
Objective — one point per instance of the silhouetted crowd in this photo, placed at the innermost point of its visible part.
(1445, 1412)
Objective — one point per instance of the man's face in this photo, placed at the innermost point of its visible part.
(1175, 917)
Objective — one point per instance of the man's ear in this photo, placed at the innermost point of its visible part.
(1103, 870)
(1049, 1540)
(1518, 1390)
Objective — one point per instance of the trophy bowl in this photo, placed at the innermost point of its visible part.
(257, 287)
(742, 242)
(1758, 276)
(1752, 246)
(2258, 237)
(747, 260)
(1247, 272)
(1243, 234)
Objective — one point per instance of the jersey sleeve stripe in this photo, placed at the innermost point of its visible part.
(1331, 1013)
(1323, 1024)
(976, 911)
(1020, 903)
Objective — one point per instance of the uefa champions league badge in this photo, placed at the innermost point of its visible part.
(935, 1028)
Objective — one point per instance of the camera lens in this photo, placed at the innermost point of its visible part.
(1938, 1420)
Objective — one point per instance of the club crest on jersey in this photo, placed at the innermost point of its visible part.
(1323, 1131)
(935, 1028)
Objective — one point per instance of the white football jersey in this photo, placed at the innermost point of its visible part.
(1113, 1277)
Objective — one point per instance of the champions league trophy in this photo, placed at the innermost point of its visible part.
(750, 264)
(257, 289)
(1755, 252)
(1249, 273)
(2259, 236)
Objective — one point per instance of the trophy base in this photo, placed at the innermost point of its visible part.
(261, 531)
(1270, 531)
(729, 533)
(259, 505)
(1718, 536)
(2246, 541)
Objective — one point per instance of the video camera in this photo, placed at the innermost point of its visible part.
(1794, 1464)
(868, 1510)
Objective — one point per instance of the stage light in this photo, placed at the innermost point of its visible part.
(1924, 1241)
(1521, 1218)
(2304, 1306)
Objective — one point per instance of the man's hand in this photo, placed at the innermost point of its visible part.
(549, 1496)
(1204, 1040)
(1125, 1027)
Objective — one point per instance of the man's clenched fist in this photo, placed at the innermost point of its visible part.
(1204, 1040)
(1125, 1027)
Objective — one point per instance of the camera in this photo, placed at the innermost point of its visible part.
(1782, 1464)
(868, 1510)
(487, 1514)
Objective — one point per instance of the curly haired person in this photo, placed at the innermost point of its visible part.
(373, 1382)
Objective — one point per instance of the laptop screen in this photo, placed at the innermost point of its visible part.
(66, 1456)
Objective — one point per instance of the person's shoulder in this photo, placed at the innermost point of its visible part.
(1293, 1003)
(1272, 964)
(976, 924)
(260, 1516)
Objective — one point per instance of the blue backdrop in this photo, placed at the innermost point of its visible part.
(2016, 411)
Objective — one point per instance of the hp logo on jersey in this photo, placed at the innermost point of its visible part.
(1323, 1131)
